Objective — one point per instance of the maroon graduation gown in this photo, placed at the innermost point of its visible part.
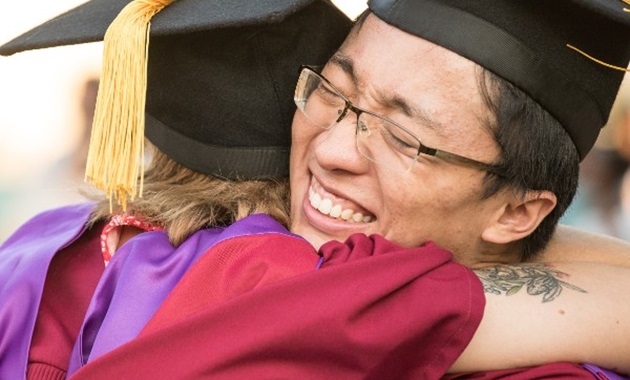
(374, 310)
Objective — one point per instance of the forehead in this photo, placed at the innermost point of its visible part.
(380, 48)
(440, 84)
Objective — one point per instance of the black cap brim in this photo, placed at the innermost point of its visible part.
(526, 43)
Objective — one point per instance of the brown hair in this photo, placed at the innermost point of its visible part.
(184, 201)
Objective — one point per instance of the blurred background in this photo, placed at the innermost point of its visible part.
(44, 112)
(602, 203)
(46, 103)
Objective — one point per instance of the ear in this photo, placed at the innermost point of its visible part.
(520, 217)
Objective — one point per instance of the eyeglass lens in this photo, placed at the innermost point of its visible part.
(379, 140)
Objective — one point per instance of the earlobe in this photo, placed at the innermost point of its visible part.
(518, 219)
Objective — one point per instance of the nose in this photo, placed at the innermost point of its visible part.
(336, 148)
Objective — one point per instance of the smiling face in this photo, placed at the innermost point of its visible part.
(434, 93)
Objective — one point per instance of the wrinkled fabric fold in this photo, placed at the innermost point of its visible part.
(24, 261)
(374, 310)
(138, 279)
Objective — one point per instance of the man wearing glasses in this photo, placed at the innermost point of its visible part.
(488, 105)
(394, 119)
(373, 146)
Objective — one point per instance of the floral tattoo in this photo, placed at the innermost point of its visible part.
(538, 279)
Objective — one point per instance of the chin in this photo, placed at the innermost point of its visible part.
(315, 237)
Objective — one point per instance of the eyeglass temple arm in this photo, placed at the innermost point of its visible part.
(462, 160)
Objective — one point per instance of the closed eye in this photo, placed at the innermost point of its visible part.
(329, 95)
(398, 140)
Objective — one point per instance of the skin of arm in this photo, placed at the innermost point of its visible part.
(543, 313)
(570, 244)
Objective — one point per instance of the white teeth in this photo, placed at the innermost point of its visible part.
(316, 200)
(335, 212)
(347, 214)
(326, 207)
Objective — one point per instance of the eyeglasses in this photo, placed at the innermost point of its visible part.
(378, 138)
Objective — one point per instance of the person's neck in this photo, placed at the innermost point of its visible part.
(489, 254)
(127, 233)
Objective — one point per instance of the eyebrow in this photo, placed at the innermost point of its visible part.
(346, 65)
(392, 101)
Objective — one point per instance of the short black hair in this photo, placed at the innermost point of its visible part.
(534, 150)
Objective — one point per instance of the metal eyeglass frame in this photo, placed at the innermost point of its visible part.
(422, 149)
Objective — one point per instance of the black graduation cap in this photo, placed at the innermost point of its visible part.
(218, 80)
(568, 55)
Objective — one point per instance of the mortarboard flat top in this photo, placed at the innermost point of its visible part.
(89, 21)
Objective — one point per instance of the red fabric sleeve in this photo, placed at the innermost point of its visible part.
(70, 283)
(231, 268)
(373, 311)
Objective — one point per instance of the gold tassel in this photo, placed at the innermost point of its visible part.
(116, 152)
(599, 61)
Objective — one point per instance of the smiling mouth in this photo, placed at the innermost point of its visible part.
(335, 208)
